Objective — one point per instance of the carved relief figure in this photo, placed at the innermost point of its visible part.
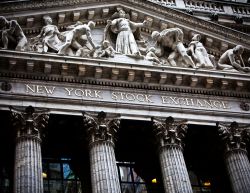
(173, 38)
(106, 50)
(125, 41)
(199, 53)
(151, 56)
(11, 32)
(74, 33)
(232, 60)
(49, 37)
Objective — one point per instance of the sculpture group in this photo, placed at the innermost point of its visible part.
(121, 37)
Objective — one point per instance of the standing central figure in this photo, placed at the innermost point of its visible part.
(124, 28)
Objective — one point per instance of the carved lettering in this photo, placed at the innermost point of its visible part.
(69, 90)
(174, 100)
(208, 103)
(189, 102)
(165, 100)
(89, 93)
(30, 88)
(97, 94)
(121, 96)
(49, 90)
(225, 105)
(199, 103)
(79, 92)
(127, 97)
(39, 89)
(114, 96)
(147, 98)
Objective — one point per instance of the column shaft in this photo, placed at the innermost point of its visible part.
(28, 166)
(235, 138)
(174, 171)
(104, 174)
(238, 167)
(169, 134)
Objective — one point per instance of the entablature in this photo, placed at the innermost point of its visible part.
(120, 72)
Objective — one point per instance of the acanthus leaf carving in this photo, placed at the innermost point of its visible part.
(234, 136)
(100, 127)
(29, 122)
(169, 132)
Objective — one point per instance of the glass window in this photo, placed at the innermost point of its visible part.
(125, 174)
(58, 177)
(67, 172)
(55, 170)
(55, 186)
(199, 185)
(130, 181)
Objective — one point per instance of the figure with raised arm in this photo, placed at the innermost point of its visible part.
(49, 37)
(125, 42)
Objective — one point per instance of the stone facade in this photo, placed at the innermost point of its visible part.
(108, 62)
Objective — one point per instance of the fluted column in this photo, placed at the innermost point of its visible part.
(169, 135)
(28, 159)
(236, 158)
(101, 133)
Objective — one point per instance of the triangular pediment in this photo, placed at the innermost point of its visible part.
(29, 15)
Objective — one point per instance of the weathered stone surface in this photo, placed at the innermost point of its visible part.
(28, 157)
(169, 135)
(237, 163)
(101, 133)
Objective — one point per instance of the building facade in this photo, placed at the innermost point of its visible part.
(132, 96)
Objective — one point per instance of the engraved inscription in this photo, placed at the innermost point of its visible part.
(211, 104)
(122, 96)
(39, 89)
(126, 97)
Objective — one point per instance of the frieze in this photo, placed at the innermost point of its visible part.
(133, 97)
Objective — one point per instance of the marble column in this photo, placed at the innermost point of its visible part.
(236, 158)
(169, 134)
(28, 160)
(101, 132)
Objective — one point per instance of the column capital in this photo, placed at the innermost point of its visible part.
(234, 136)
(29, 122)
(169, 131)
(100, 127)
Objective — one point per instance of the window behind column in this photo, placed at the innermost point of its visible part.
(58, 177)
(129, 180)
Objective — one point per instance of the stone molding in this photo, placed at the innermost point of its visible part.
(169, 132)
(29, 123)
(100, 127)
(83, 71)
(234, 136)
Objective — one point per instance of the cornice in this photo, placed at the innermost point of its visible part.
(179, 17)
(45, 67)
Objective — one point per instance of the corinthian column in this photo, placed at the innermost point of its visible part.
(236, 159)
(101, 133)
(169, 135)
(28, 159)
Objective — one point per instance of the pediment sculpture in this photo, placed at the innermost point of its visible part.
(12, 36)
(125, 32)
(121, 36)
